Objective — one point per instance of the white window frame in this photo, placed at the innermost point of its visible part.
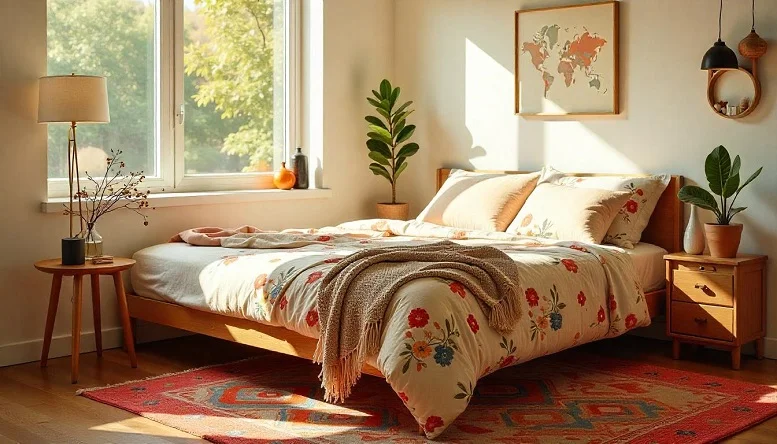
(169, 98)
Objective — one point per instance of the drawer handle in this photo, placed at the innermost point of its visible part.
(709, 268)
(701, 286)
(700, 320)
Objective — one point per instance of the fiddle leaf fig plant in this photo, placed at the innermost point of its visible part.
(388, 134)
(724, 181)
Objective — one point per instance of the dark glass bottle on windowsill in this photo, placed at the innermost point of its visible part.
(299, 163)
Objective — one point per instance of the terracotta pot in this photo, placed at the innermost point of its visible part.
(723, 239)
(397, 211)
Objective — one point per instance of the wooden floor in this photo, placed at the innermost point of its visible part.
(38, 405)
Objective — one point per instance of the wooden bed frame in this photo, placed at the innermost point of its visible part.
(664, 230)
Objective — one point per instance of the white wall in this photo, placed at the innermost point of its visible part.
(356, 54)
(455, 58)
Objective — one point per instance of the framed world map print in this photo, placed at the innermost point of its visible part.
(566, 60)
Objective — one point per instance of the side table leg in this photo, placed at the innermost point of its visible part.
(736, 356)
(125, 319)
(675, 349)
(56, 285)
(77, 296)
(98, 334)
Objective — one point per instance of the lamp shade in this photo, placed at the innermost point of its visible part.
(719, 56)
(73, 99)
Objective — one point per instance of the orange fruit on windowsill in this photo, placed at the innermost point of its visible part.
(284, 179)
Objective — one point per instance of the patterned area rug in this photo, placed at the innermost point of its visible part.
(569, 397)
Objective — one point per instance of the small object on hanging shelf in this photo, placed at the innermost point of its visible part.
(744, 104)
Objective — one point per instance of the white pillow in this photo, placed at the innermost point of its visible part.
(479, 201)
(632, 219)
(568, 213)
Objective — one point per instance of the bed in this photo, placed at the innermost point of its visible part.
(197, 294)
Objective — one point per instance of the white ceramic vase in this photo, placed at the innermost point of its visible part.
(693, 239)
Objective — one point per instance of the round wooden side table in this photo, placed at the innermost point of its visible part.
(55, 267)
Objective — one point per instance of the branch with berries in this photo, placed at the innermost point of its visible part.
(114, 191)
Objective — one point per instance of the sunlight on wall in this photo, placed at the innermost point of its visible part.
(573, 146)
(488, 110)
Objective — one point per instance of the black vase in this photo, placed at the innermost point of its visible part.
(73, 251)
(299, 165)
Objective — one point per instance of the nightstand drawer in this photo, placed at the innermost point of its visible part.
(706, 321)
(703, 287)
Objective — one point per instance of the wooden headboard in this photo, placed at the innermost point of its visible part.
(665, 228)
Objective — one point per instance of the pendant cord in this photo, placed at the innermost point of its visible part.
(753, 16)
(720, 20)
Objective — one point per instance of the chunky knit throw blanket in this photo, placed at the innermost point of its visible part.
(354, 295)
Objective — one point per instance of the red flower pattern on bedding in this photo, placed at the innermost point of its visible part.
(418, 318)
(473, 323)
(570, 265)
(532, 297)
(312, 318)
(314, 276)
(458, 288)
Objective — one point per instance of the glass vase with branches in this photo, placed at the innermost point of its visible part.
(114, 191)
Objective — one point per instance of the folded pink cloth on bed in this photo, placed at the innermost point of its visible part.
(210, 236)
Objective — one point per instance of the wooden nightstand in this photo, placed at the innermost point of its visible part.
(55, 267)
(716, 301)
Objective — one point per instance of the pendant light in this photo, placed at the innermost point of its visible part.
(719, 56)
(753, 46)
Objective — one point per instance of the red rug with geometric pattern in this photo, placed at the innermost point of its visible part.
(569, 397)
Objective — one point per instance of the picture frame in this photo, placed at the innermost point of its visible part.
(567, 60)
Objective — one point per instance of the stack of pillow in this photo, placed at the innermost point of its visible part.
(549, 204)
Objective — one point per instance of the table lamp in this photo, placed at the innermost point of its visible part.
(73, 99)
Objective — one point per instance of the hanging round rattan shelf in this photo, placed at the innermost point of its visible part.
(713, 78)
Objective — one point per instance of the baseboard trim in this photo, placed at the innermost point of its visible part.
(770, 348)
(29, 351)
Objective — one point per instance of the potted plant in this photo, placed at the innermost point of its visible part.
(388, 144)
(723, 176)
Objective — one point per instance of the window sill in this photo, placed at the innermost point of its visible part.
(162, 200)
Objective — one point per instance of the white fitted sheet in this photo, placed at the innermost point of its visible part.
(171, 272)
(649, 263)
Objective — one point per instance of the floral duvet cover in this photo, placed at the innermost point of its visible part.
(436, 342)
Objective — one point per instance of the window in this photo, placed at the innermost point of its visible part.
(200, 91)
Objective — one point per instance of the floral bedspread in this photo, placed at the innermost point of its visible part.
(436, 342)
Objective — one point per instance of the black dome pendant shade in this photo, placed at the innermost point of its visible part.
(719, 56)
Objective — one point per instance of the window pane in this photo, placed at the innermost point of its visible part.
(234, 60)
(115, 39)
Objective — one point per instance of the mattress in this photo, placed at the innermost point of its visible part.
(171, 272)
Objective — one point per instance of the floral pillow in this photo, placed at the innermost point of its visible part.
(631, 220)
(568, 213)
